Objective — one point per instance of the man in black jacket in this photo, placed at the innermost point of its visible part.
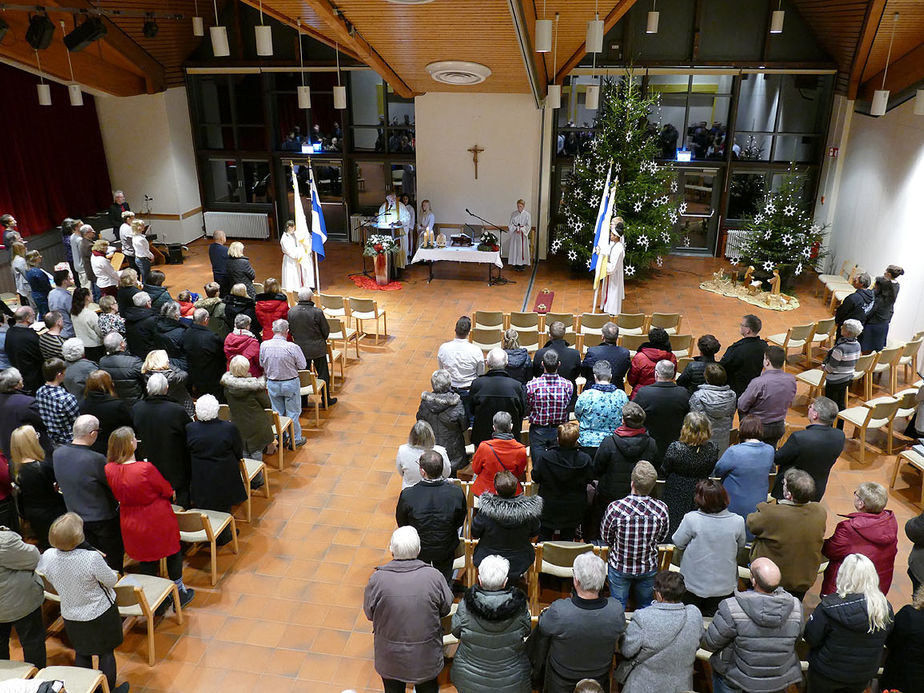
(309, 330)
(608, 351)
(744, 360)
(205, 355)
(114, 214)
(665, 404)
(436, 509)
(814, 450)
(569, 358)
(493, 392)
(19, 408)
(140, 326)
(124, 368)
(22, 348)
(859, 304)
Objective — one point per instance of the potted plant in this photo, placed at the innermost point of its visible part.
(379, 247)
(488, 242)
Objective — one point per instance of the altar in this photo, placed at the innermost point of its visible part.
(459, 254)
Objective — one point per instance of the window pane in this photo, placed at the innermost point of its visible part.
(757, 102)
(671, 116)
(404, 180)
(401, 140)
(707, 117)
(222, 181)
(366, 98)
(292, 121)
(751, 146)
(248, 99)
(745, 193)
(257, 182)
(796, 148)
(251, 138)
(369, 139)
(801, 98)
(713, 84)
(370, 183)
(214, 100)
(329, 178)
(217, 137)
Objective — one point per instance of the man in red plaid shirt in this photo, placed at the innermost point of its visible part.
(547, 399)
(633, 527)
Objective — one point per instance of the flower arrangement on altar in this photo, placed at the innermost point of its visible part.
(488, 242)
(378, 244)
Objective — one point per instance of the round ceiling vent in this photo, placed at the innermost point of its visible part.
(458, 72)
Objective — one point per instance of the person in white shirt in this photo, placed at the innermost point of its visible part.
(395, 216)
(425, 221)
(143, 255)
(519, 226)
(107, 279)
(411, 222)
(126, 235)
(463, 360)
(613, 287)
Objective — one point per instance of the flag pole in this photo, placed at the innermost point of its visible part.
(317, 272)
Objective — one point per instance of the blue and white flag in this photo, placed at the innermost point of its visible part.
(602, 225)
(318, 227)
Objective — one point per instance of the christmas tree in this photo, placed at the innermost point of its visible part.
(644, 192)
(783, 235)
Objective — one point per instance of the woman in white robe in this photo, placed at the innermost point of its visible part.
(519, 226)
(294, 274)
(425, 221)
(613, 288)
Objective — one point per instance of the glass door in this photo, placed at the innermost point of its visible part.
(328, 176)
(697, 223)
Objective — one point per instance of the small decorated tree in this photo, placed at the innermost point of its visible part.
(645, 191)
(783, 235)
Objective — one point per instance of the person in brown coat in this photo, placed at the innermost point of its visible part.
(791, 532)
(405, 600)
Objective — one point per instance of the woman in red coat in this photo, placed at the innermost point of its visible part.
(149, 527)
(271, 306)
(501, 453)
(872, 531)
(657, 348)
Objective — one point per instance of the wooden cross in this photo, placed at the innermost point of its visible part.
(475, 151)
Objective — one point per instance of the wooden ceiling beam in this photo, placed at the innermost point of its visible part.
(871, 23)
(363, 50)
(614, 15)
(90, 70)
(903, 73)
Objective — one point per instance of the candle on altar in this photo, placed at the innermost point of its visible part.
(428, 237)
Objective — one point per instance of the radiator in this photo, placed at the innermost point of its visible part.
(238, 224)
(733, 242)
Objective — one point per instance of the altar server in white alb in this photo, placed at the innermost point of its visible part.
(519, 226)
(425, 222)
(295, 273)
(394, 215)
(613, 288)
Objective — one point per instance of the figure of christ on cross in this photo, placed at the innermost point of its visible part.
(475, 151)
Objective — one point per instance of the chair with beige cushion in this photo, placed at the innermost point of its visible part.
(823, 335)
(281, 425)
(631, 323)
(669, 322)
(139, 596)
(566, 318)
(487, 338)
(335, 307)
(203, 527)
(914, 459)
(16, 670)
(815, 379)
(796, 337)
(523, 322)
(632, 342)
(871, 415)
(529, 341)
(250, 469)
(334, 357)
(591, 325)
(909, 357)
(888, 361)
(365, 309)
(681, 345)
(340, 332)
(862, 372)
(312, 387)
(554, 558)
(76, 679)
(489, 319)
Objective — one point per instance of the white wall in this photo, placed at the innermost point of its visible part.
(507, 126)
(877, 220)
(149, 149)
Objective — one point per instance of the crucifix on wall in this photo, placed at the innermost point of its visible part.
(475, 151)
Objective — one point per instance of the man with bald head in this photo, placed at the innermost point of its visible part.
(753, 635)
(493, 392)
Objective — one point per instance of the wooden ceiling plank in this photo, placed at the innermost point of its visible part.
(904, 72)
(614, 15)
(871, 22)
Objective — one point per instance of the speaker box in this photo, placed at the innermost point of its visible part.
(40, 31)
(175, 256)
(91, 30)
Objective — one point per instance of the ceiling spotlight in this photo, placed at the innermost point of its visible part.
(40, 31)
(4, 27)
(86, 33)
(150, 27)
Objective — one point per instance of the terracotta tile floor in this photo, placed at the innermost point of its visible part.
(286, 613)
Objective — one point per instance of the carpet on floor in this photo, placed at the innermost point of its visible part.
(364, 282)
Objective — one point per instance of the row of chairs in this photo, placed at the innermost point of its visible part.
(880, 413)
(487, 338)
(583, 323)
(836, 287)
(352, 311)
(75, 679)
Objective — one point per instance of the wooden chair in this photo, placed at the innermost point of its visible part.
(258, 287)
(492, 320)
(796, 337)
(632, 342)
(523, 322)
(553, 558)
(631, 323)
(669, 322)
(335, 307)
(224, 412)
(914, 459)
(76, 679)
(888, 361)
(909, 355)
(486, 338)
(862, 371)
(840, 275)
(592, 324)
(362, 309)
(907, 403)
(529, 341)
(313, 388)
(280, 425)
(869, 415)
(138, 597)
(335, 356)
(815, 379)
(681, 345)
(682, 363)
(823, 335)
(838, 294)
(203, 527)
(549, 318)
(249, 471)
(339, 331)
(16, 670)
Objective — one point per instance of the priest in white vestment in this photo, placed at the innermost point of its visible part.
(519, 226)
(295, 273)
(613, 288)
(394, 215)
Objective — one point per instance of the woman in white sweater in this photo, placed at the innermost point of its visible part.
(86, 324)
(419, 441)
(107, 279)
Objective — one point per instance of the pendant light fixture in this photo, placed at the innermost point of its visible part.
(44, 90)
(339, 90)
(553, 97)
(543, 33)
(198, 23)
(653, 17)
(219, 36)
(594, 39)
(881, 96)
(304, 92)
(592, 97)
(264, 36)
(776, 19)
(73, 89)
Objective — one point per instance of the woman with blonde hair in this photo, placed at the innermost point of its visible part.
(238, 302)
(686, 461)
(143, 255)
(39, 501)
(240, 271)
(519, 364)
(847, 630)
(40, 282)
(407, 461)
(101, 401)
(149, 527)
(128, 287)
(107, 278)
(85, 584)
(158, 362)
(19, 266)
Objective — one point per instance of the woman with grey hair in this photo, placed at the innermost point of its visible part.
(599, 408)
(248, 400)
(215, 452)
(419, 440)
(157, 362)
(242, 342)
(491, 623)
(839, 362)
(442, 409)
(519, 364)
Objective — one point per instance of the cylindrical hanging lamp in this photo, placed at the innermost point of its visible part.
(219, 34)
(198, 23)
(44, 94)
(880, 103)
(543, 35)
(553, 98)
(776, 21)
(594, 38)
(264, 36)
(653, 18)
(339, 90)
(592, 97)
(75, 94)
(304, 92)
(304, 97)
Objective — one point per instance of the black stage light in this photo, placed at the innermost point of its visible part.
(40, 31)
(91, 30)
(4, 27)
(150, 27)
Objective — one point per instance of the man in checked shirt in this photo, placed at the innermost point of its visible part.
(547, 399)
(633, 527)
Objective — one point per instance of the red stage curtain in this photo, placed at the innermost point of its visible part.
(52, 163)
